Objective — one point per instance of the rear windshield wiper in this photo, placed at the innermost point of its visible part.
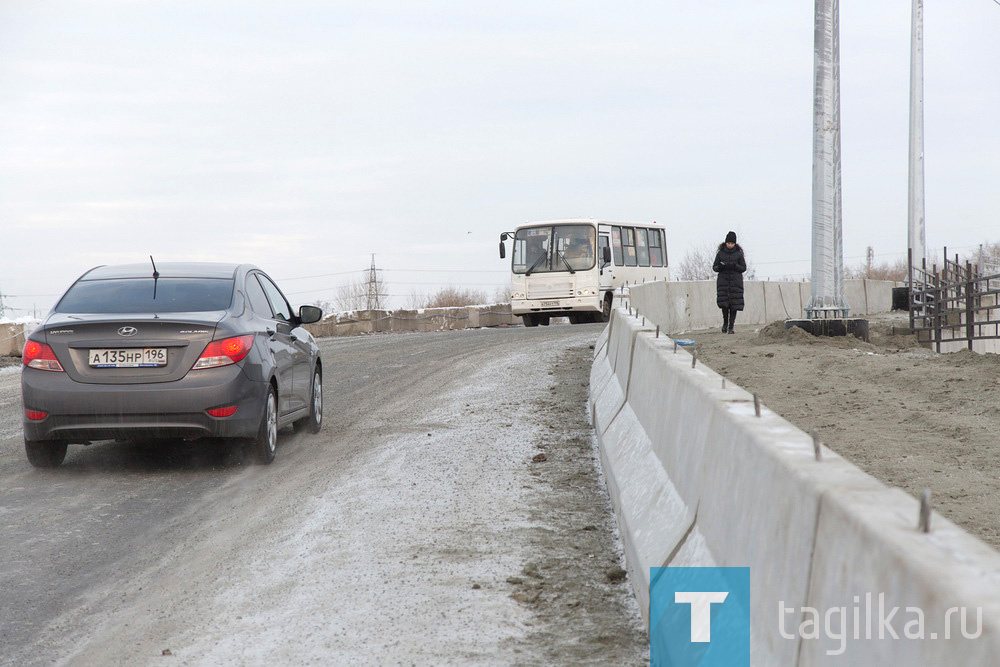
(156, 276)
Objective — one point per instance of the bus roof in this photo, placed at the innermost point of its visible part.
(589, 221)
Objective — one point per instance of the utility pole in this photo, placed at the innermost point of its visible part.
(3, 308)
(916, 233)
(826, 312)
(827, 242)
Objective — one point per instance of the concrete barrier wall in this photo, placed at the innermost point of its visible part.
(696, 479)
(359, 322)
(683, 306)
(11, 339)
(428, 319)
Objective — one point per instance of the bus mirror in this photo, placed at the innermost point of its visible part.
(606, 255)
(503, 251)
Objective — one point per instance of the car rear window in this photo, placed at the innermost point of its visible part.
(135, 295)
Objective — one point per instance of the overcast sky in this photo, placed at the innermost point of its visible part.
(304, 136)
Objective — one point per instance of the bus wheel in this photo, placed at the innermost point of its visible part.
(605, 310)
(574, 319)
(544, 320)
(529, 320)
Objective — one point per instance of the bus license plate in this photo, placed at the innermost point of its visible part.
(550, 304)
(133, 357)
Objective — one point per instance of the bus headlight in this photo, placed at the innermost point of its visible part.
(517, 295)
(586, 292)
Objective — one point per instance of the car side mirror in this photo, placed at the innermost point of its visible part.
(310, 314)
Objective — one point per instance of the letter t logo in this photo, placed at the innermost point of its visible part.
(701, 611)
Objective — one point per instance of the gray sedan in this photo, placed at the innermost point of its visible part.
(183, 350)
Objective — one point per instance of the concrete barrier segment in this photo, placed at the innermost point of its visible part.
(611, 347)
(668, 411)
(754, 304)
(626, 330)
(601, 344)
(782, 301)
(805, 293)
(879, 295)
(870, 559)
(11, 339)
(857, 299)
(606, 398)
(759, 508)
(647, 506)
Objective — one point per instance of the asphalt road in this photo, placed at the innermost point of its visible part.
(402, 532)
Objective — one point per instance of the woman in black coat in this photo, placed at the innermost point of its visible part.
(730, 265)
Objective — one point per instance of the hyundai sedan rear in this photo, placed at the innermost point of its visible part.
(182, 350)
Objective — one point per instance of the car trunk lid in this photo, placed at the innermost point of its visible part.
(103, 349)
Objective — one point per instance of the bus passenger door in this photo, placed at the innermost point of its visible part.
(604, 241)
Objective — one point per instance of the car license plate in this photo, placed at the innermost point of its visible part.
(132, 357)
(550, 304)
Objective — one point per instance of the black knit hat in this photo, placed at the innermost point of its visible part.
(731, 237)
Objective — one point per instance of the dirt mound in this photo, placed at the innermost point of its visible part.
(883, 338)
(889, 336)
(776, 333)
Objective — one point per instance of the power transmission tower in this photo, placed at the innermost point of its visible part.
(375, 291)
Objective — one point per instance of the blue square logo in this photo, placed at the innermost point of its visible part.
(699, 616)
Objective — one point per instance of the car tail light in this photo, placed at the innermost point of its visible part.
(224, 352)
(35, 415)
(223, 412)
(40, 356)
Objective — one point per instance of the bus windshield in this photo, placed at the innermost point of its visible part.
(551, 248)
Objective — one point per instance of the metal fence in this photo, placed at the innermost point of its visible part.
(957, 302)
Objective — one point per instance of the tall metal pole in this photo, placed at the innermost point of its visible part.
(828, 248)
(916, 234)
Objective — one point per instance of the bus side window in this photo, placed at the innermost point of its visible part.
(655, 248)
(641, 246)
(616, 246)
(628, 241)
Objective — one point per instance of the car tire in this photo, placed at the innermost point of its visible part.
(264, 445)
(45, 453)
(314, 421)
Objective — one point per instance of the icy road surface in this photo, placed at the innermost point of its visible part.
(420, 526)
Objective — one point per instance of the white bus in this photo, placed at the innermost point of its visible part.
(572, 267)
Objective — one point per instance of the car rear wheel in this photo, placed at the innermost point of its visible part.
(312, 423)
(45, 453)
(264, 445)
